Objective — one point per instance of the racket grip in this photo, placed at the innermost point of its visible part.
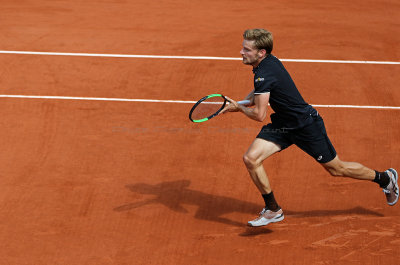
(244, 102)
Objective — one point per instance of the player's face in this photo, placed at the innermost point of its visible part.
(251, 55)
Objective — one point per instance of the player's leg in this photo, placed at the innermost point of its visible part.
(314, 140)
(337, 167)
(258, 151)
(269, 141)
(387, 180)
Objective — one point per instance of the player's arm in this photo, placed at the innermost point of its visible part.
(258, 113)
(250, 97)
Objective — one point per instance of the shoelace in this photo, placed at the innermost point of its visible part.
(260, 215)
(263, 211)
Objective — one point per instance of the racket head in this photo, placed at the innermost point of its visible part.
(207, 108)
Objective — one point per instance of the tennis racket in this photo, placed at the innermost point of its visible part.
(209, 107)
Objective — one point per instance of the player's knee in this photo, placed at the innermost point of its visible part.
(249, 161)
(336, 167)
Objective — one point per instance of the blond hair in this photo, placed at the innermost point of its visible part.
(261, 37)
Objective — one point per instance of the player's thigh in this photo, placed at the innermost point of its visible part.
(260, 150)
(313, 139)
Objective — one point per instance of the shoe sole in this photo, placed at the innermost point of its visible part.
(394, 172)
(275, 220)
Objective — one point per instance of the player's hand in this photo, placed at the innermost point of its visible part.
(232, 106)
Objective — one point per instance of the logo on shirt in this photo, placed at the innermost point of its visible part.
(260, 79)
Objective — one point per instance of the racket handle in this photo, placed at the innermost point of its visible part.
(244, 102)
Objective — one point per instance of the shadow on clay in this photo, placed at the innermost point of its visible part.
(175, 194)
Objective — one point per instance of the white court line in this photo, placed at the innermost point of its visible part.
(190, 57)
(179, 101)
(98, 99)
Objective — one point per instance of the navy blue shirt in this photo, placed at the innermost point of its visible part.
(291, 110)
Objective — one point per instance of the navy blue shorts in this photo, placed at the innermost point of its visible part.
(312, 139)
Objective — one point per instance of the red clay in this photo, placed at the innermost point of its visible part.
(121, 183)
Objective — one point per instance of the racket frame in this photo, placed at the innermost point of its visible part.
(211, 116)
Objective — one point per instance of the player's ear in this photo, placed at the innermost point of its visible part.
(262, 52)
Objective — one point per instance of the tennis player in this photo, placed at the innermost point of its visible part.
(294, 122)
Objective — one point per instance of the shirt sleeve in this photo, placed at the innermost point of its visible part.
(263, 83)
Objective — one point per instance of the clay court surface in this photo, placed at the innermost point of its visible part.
(97, 182)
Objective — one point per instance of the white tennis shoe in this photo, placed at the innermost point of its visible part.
(392, 190)
(267, 216)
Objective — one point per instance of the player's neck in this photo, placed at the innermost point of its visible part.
(257, 63)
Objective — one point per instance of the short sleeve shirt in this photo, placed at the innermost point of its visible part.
(291, 110)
